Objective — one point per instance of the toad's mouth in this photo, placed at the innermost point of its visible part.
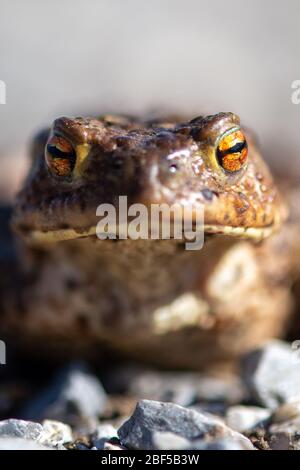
(52, 236)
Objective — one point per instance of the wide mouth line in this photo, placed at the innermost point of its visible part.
(52, 236)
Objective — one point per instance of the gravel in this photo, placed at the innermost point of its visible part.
(182, 411)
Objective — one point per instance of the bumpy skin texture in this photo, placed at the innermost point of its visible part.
(149, 299)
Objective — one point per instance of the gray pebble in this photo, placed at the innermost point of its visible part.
(272, 374)
(74, 393)
(284, 436)
(286, 412)
(104, 433)
(244, 418)
(20, 428)
(228, 443)
(113, 446)
(18, 443)
(55, 434)
(150, 417)
(169, 441)
(182, 388)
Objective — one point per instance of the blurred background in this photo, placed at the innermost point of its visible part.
(66, 57)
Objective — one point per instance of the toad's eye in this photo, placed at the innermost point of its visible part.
(60, 156)
(232, 150)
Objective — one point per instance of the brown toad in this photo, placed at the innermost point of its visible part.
(150, 299)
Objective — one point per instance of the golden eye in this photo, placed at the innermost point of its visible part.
(60, 156)
(232, 150)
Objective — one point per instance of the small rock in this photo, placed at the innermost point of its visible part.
(20, 428)
(17, 443)
(113, 444)
(152, 385)
(258, 438)
(284, 436)
(184, 388)
(151, 417)
(81, 446)
(286, 412)
(244, 418)
(272, 374)
(169, 441)
(223, 444)
(220, 390)
(73, 394)
(55, 434)
(104, 433)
